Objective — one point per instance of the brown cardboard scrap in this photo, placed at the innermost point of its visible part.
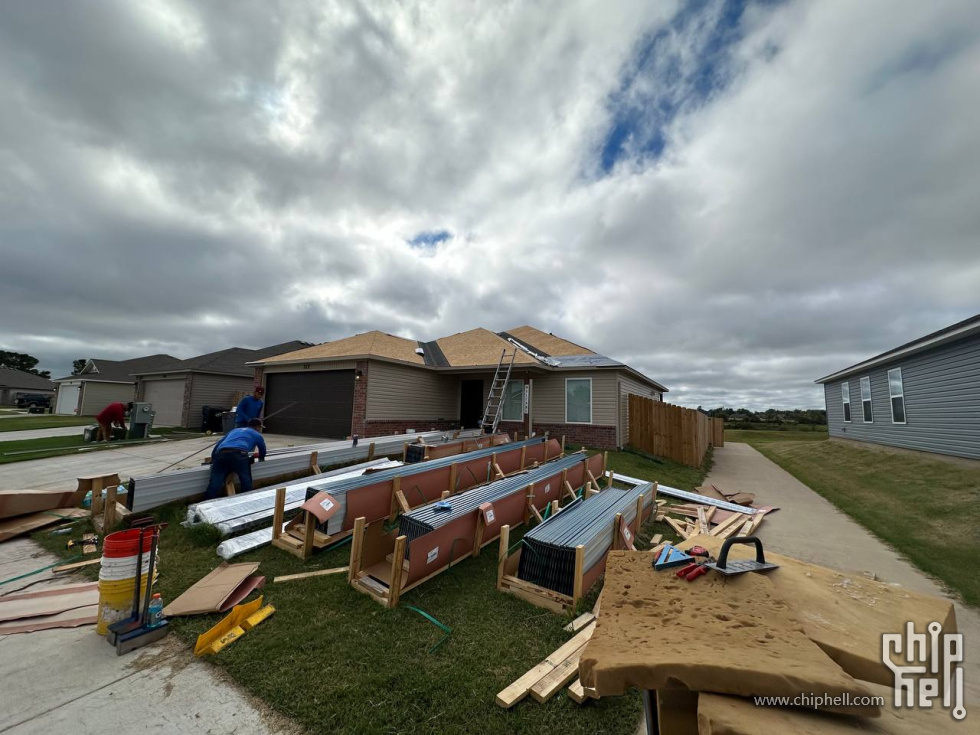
(11, 527)
(51, 601)
(21, 502)
(321, 505)
(220, 590)
(730, 635)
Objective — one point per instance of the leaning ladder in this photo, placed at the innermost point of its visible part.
(498, 392)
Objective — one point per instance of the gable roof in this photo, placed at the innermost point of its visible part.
(952, 333)
(231, 361)
(121, 371)
(479, 347)
(366, 344)
(545, 343)
(11, 378)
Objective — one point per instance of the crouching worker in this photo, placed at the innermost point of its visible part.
(114, 413)
(231, 455)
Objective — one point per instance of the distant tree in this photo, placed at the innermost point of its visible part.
(78, 365)
(22, 361)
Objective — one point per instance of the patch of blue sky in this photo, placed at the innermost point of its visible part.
(429, 238)
(678, 67)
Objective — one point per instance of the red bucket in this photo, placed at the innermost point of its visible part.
(126, 543)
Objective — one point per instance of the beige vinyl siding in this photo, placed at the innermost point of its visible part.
(96, 396)
(313, 367)
(396, 392)
(627, 386)
(213, 390)
(548, 396)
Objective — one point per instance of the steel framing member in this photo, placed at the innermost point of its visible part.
(385, 495)
(383, 565)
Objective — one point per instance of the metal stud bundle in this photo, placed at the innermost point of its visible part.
(548, 554)
(338, 490)
(427, 518)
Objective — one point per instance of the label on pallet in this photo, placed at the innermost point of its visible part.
(486, 509)
(547, 488)
(626, 535)
(321, 505)
(432, 555)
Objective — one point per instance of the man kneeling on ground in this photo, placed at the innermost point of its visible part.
(231, 455)
(114, 413)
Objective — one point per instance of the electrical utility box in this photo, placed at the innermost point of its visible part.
(141, 420)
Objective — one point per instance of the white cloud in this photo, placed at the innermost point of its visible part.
(182, 178)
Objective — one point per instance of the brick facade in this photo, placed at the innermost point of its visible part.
(359, 413)
(257, 380)
(602, 437)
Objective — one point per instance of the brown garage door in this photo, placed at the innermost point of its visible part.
(324, 403)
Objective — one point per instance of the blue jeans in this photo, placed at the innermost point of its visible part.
(223, 464)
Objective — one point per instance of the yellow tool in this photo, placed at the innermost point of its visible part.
(240, 620)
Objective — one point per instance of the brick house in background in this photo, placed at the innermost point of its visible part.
(374, 384)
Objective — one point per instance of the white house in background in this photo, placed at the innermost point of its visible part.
(102, 382)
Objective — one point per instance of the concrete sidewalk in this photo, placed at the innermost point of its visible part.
(810, 528)
(69, 681)
(16, 436)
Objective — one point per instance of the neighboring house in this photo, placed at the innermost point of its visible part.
(102, 382)
(179, 391)
(923, 395)
(14, 382)
(373, 384)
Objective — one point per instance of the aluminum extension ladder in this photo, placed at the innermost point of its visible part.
(498, 392)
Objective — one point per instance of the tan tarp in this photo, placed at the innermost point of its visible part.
(730, 635)
(845, 614)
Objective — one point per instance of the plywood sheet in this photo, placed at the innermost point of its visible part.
(723, 715)
(845, 614)
(20, 502)
(726, 635)
(12, 527)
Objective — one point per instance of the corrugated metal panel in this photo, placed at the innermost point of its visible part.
(627, 387)
(213, 390)
(942, 403)
(96, 396)
(549, 396)
(396, 392)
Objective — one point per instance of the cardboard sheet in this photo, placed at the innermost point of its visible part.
(223, 588)
(88, 615)
(11, 527)
(322, 506)
(731, 635)
(845, 614)
(21, 502)
(721, 715)
(26, 606)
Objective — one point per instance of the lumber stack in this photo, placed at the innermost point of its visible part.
(721, 514)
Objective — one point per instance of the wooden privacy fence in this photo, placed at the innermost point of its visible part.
(679, 434)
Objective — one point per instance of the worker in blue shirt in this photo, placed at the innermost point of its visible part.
(231, 455)
(250, 407)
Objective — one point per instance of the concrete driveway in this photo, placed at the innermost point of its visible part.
(135, 459)
(69, 681)
(810, 528)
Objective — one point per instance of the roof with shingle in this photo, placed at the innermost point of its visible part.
(231, 361)
(546, 343)
(11, 378)
(367, 344)
(121, 371)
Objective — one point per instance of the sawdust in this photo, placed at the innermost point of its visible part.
(726, 635)
(845, 614)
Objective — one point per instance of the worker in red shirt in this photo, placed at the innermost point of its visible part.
(114, 413)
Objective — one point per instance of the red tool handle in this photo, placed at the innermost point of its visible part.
(691, 576)
(684, 571)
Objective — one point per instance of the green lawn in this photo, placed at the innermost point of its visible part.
(926, 509)
(43, 421)
(55, 446)
(755, 437)
(335, 660)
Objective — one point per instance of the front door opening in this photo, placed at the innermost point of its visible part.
(470, 403)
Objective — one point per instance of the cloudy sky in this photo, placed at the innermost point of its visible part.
(735, 198)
